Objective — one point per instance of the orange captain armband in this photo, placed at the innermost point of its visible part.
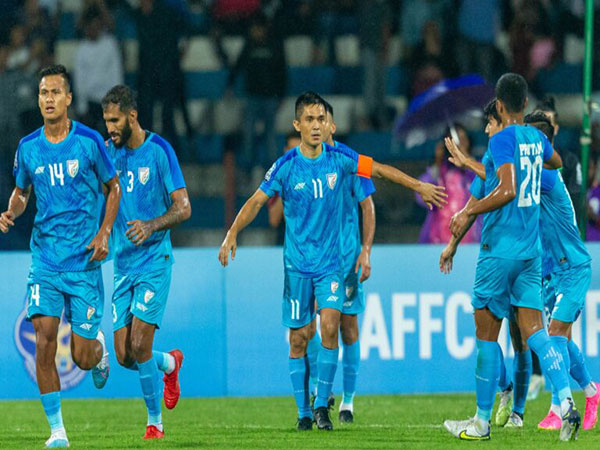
(365, 166)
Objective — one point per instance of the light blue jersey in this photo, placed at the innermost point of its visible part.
(512, 232)
(148, 176)
(67, 179)
(356, 190)
(563, 247)
(312, 191)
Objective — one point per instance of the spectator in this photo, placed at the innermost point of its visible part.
(334, 18)
(375, 29)
(436, 228)
(262, 62)
(593, 204)
(41, 25)
(97, 68)
(19, 50)
(415, 14)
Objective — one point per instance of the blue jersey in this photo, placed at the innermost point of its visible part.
(67, 179)
(562, 245)
(513, 231)
(356, 190)
(148, 175)
(312, 191)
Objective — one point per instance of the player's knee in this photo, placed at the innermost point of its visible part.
(140, 348)
(124, 359)
(45, 348)
(349, 335)
(298, 343)
(82, 358)
(329, 330)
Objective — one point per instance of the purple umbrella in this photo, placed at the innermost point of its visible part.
(432, 111)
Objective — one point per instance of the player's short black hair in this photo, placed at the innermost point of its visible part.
(490, 110)
(56, 69)
(306, 99)
(511, 90)
(548, 105)
(540, 120)
(328, 107)
(121, 95)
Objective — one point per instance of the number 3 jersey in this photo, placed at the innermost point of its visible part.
(67, 179)
(513, 231)
(148, 176)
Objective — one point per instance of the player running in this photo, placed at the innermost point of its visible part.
(67, 165)
(357, 268)
(154, 200)
(509, 265)
(310, 180)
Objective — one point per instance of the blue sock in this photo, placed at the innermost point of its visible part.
(51, 404)
(151, 390)
(162, 360)
(522, 368)
(299, 375)
(487, 374)
(312, 352)
(560, 344)
(504, 381)
(578, 369)
(551, 362)
(327, 365)
(351, 362)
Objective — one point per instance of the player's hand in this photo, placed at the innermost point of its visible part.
(139, 231)
(229, 245)
(459, 222)
(446, 259)
(364, 264)
(457, 157)
(100, 246)
(432, 195)
(6, 221)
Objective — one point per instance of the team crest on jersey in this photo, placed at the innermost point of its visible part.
(90, 312)
(70, 375)
(334, 286)
(72, 167)
(349, 291)
(143, 174)
(148, 295)
(331, 180)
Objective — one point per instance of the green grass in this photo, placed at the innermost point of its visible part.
(381, 422)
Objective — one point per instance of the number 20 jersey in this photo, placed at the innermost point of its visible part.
(512, 231)
(67, 179)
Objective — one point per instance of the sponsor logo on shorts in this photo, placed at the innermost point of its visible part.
(141, 307)
(331, 180)
(299, 186)
(148, 295)
(332, 298)
(334, 286)
(86, 326)
(39, 170)
(70, 375)
(143, 174)
(72, 167)
(90, 312)
(347, 304)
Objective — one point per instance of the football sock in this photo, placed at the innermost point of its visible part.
(312, 351)
(350, 362)
(151, 390)
(579, 370)
(51, 404)
(327, 365)
(552, 364)
(164, 361)
(504, 381)
(487, 373)
(522, 374)
(535, 364)
(299, 376)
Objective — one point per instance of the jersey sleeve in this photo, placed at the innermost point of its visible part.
(353, 162)
(477, 188)
(170, 169)
(22, 178)
(502, 148)
(548, 149)
(362, 187)
(272, 184)
(102, 161)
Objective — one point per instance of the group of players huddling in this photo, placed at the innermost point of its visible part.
(134, 182)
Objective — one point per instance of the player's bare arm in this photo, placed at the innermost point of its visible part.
(555, 161)
(364, 259)
(447, 256)
(276, 213)
(246, 215)
(430, 193)
(502, 194)
(460, 160)
(99, 244)
(16, 206)
(179, 211)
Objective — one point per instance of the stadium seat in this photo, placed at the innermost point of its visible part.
(67, 26)
(130, 55)
(347, 50)
(553, 80)
(228, 115)
(395, 51)
(343, 107)
(318, 78)
(348, 81)
(64, 51)
(232, 45)
(200, 56)
(205, 84)
(298, 51)
(285, 116)
(396, 81)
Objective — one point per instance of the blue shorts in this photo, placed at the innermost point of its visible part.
(569, 288)
(354, 303)
(81, 294)
(501, 283)
(143, 295)
(300, 293)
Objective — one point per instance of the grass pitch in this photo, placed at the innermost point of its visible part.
(380, 422)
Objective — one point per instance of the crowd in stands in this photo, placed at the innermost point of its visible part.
(438, 39)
